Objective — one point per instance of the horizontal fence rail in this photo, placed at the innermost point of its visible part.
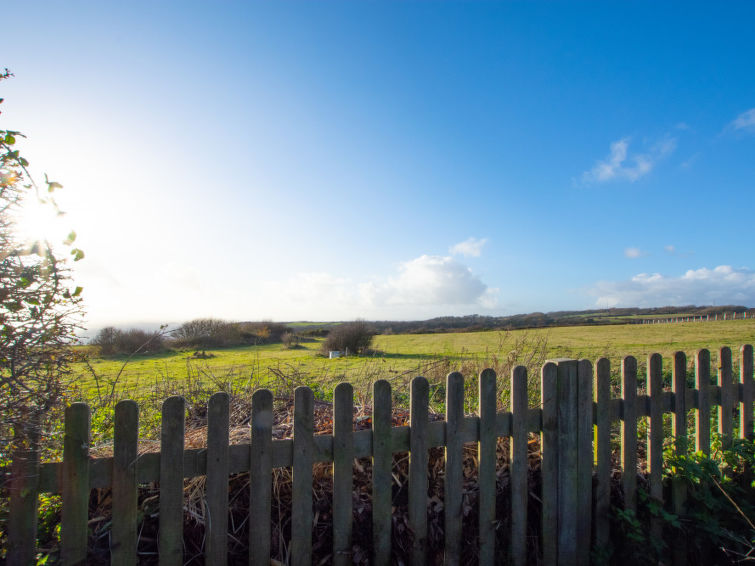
(573, 422)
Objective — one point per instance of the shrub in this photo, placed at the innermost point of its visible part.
(106, 340)
(290, 340)
(352, 337)
(40, 308)
(208, 333)
(113, 341)
(264, 332)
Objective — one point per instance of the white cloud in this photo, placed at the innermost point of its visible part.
(471, 247)
(428, 280)
(621, 165)
(422, 287)
(721, 285)
(745, 121)
(670, 249)
(633, 253)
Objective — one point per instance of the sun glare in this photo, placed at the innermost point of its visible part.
(38, 222)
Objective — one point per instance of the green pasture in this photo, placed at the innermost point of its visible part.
(405, 354)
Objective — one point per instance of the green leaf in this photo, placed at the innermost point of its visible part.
(77, 254)
(77, 291)
(9, 139)
(52, 185)
(71, 238)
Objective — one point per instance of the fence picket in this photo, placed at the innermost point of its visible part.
(125, 488)
(216, 490)
(702, 416)
(418, 483)
(301, 497)
(343, 457)
(568, 484)
(519, 466)
(602, 393)
(260, 477)
(679, 425)
(75, 514)
(629, 432)
(454, 472)
(748, 392)
(584, 461)
(171, 481)
(725, 421)
(382, 479)
(655, 435)
(24, 496)
(486, 460)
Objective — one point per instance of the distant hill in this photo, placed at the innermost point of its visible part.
(476, 323)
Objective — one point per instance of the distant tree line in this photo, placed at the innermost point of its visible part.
(477, 323)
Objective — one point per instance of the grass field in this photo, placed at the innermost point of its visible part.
(409, 354)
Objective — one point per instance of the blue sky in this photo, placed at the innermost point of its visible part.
(392, 160)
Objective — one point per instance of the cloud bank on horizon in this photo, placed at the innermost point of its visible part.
(721, 285)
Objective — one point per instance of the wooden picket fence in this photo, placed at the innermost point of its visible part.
(573, 420)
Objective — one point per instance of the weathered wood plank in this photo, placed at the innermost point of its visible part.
(216, 487)
(301, 502)
(584, 461)
(418, 482)
(260, 477)
(75, 514)
(24, 491)
(170, 539)
(655, 435)
(725, 382)
(746, 395)
(568, 483)
(602, 393)
(453, 481)
(486, 461)
(125, 489)
(679, 426)
(702, 413)
(748, 392)
(343, 458)
(629, 433)
(549, 463)
(382, 466)
(519, 466)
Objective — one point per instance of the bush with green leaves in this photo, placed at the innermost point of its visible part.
(717, 522)
(40, 307)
